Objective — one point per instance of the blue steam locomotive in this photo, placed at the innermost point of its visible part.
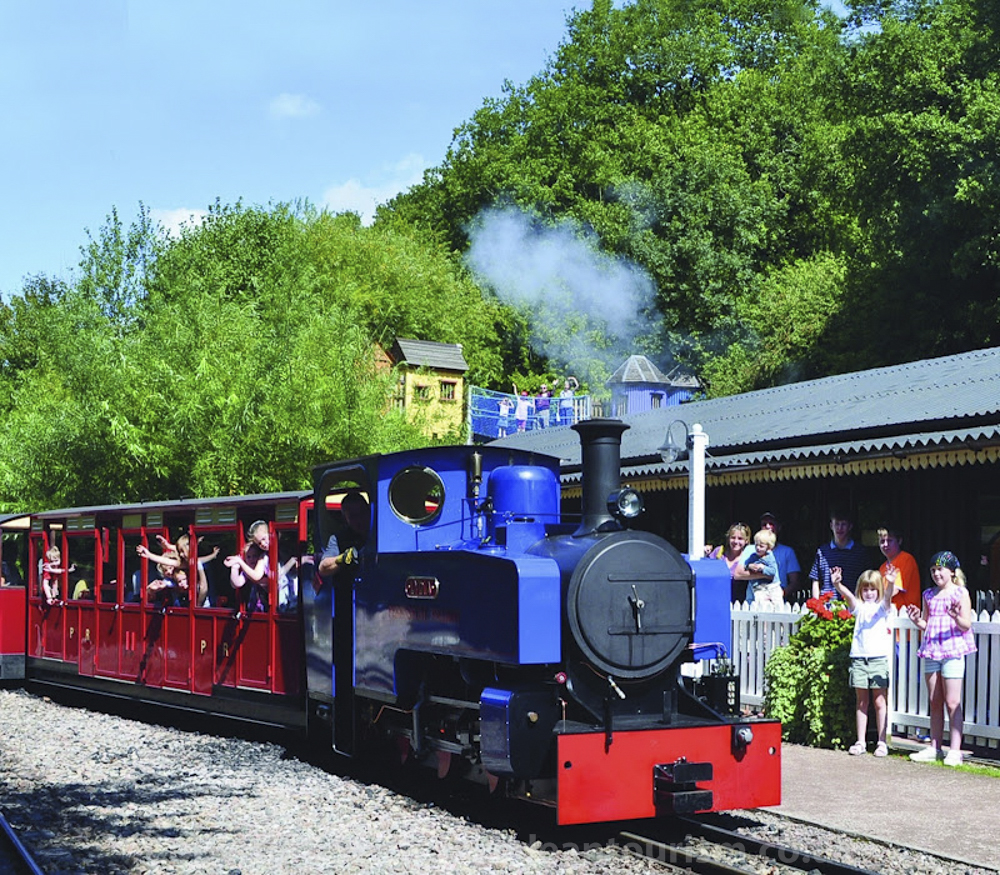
(482, 634)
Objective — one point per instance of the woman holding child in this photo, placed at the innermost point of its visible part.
(736, 540)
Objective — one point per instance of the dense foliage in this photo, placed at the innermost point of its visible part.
(807, 686)
(228, 360)
(808, 195)
(758, 191)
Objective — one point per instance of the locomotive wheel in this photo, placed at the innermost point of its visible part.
(443, 763)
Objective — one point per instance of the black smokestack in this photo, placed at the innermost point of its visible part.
(600, 450)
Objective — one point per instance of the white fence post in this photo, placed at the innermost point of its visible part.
(756, 632)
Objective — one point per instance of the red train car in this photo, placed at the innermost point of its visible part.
(13, 549)
(106, 607)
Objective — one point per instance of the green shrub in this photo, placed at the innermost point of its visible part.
(806, 681)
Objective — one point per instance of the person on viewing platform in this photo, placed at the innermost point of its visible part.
(570, 385)
(870, 647)
(522, 409)
(945, 620)
(842, 552)
(899, 568)
(503, 418)
(542, 404)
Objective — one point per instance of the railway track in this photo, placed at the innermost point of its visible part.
(712, 850)
(15, 858)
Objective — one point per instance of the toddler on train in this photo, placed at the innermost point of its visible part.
(51, 571)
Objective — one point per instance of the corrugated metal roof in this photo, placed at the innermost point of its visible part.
(430, 354)
(903, 407)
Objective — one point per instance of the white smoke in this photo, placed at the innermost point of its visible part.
(587, 307)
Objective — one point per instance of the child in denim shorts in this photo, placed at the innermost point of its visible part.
(870, 650)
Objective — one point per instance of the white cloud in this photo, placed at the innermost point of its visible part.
(172, 220)
(292, 106)
(363, 196)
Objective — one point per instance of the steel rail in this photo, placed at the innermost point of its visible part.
(794, 858)
(24, 860)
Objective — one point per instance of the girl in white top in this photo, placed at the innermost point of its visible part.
(870, 649)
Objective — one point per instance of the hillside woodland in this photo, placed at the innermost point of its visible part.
(755, 192)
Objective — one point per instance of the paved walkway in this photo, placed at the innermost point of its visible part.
(942, 810)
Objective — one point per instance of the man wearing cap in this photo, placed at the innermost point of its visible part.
(788, 563)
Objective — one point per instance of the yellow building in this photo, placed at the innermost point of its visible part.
(431, 385)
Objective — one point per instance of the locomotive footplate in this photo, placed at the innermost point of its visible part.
(675, 789)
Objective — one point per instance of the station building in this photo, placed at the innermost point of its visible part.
(915, 446)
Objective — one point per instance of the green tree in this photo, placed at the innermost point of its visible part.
(922, 104)
(227, 360)
(685, 135)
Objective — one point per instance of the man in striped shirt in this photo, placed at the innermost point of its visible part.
(843, 553)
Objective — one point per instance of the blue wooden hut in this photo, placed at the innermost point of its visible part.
(638, 385)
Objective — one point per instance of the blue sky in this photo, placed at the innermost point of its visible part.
(175, 103)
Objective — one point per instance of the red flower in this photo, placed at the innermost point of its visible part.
(827, 596)
(844, 614)
(813, 604)
(825, 613)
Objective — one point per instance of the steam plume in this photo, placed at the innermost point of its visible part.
(588, 308)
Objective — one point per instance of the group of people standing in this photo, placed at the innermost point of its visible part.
(765, 574)
(944, 618)
(844, 568)
(537, 411)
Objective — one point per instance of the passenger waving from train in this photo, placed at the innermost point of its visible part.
(178, 556)
(252, 566)
(52, 570)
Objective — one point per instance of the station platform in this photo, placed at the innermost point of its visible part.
(941, 810)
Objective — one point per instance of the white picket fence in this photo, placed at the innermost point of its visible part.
(757, 632)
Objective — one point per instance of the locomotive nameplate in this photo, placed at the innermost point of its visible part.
(421, 587)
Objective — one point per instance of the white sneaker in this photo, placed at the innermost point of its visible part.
(954, 758)
(927, 755)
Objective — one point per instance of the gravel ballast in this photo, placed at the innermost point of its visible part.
(95, 793)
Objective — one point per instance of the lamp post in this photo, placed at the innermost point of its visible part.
(695, 442)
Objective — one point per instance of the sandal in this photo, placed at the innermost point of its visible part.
(881, 749)
(858, 748)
